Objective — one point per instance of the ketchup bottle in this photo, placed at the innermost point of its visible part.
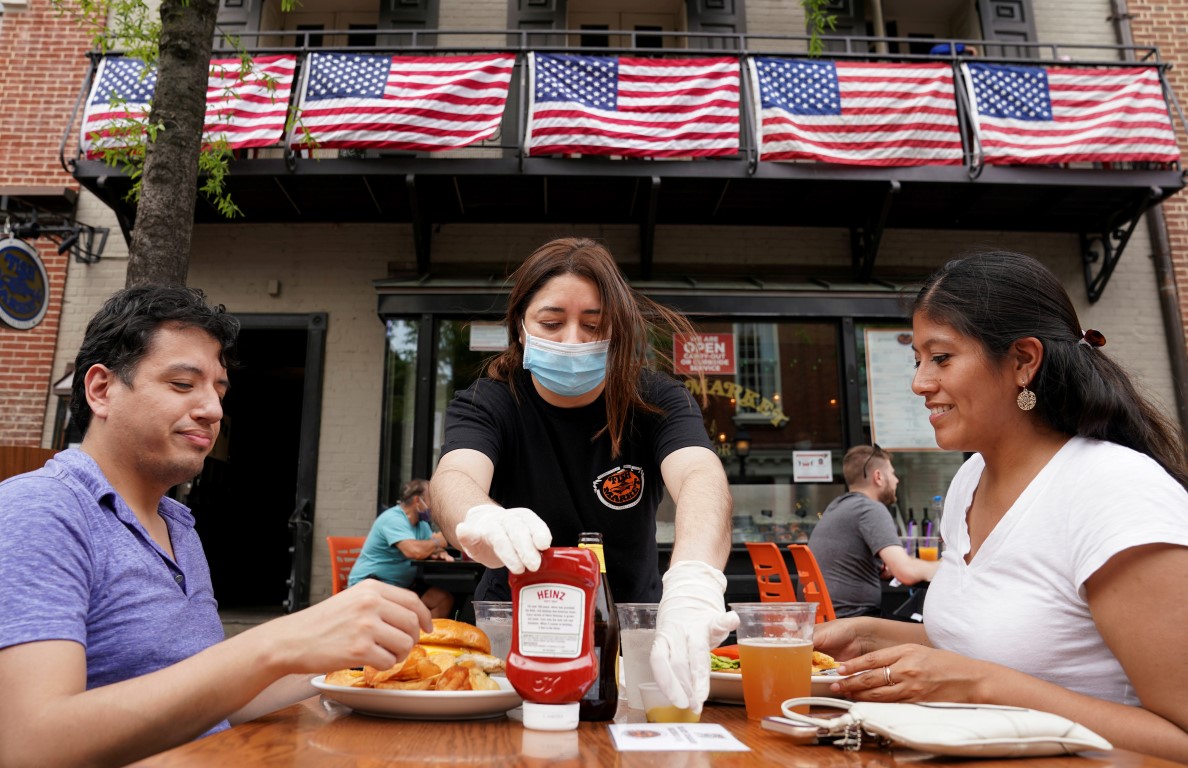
(552, 661)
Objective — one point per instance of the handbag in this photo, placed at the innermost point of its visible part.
(943, 728)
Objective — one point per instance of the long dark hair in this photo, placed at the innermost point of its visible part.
(998, 297)
(120, 333)
(630, 315)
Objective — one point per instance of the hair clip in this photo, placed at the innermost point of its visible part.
(1092, 338)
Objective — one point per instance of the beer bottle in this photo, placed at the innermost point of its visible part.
(602, 699)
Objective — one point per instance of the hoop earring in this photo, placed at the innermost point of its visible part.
(1026, 399)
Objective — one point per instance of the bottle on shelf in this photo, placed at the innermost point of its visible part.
(911, 523)
(552, 661)
(602, 699)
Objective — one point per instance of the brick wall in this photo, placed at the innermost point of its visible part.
(1162, 23)
(41, 68)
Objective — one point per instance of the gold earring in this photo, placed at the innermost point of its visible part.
(1026, 399)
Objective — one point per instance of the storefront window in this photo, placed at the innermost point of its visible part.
(400, 401)
(923, 472)
(463, 350)
(773, 396)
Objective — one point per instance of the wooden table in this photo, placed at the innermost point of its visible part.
(319, 733)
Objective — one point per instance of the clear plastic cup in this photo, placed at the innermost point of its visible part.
(775, 651)
(637, 631)
(658, 709)
(495, 618)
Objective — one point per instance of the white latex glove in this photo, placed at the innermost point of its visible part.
(692, 620)
(498, 537)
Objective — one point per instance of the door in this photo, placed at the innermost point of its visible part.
(415, 15)
(254, 501)
(719, 16)
(1010, 21)
(237, 19)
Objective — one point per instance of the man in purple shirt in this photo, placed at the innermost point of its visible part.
(108, 624)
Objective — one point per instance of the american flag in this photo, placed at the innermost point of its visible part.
(246, 111)
(637, 107)
(424, 103)
(857, 113)
(1062, 114)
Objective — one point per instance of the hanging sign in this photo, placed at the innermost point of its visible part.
(24, 285)
(708, 353)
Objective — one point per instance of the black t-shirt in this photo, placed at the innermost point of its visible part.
(546, 459)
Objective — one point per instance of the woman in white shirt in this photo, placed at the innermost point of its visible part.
(1062, 586)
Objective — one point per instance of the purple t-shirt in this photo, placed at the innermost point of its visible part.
(75, 564)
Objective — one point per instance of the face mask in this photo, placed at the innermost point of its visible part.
(423, 515)
(568, 370)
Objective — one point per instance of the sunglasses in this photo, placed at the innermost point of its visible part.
(876, 452)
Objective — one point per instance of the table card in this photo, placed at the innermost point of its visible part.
(675, 737)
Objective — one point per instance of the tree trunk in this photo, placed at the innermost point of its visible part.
(160, 249)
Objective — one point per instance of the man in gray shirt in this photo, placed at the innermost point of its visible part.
(856, 532)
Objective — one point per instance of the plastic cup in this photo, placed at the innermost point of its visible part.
(637, 631)
(775, 651)
(658, 709)
(909, 544)
(495, 618)
(928, 548)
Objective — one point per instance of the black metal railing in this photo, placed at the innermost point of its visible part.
(521, 42)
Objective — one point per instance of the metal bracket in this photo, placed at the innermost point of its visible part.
(421, 234)
(1107, 246)
(647, 230)
(864, 241)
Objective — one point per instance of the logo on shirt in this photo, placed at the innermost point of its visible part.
(621, 487)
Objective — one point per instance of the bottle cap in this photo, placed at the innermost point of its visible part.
(551, 717)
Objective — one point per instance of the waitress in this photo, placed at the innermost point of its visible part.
(570, 432)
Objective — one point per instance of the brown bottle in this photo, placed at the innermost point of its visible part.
(600, 702)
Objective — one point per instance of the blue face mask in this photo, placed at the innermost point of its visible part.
(568, 370)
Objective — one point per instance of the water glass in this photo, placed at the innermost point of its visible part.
(637, 631)
(495, 618)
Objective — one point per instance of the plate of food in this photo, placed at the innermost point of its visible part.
(726, 675)
(424, 705)
(446, 676)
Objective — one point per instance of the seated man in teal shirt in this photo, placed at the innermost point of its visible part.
(399, 536)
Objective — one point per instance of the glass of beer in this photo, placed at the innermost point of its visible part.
(775, 651)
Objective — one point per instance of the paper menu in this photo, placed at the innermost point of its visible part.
(675, 737)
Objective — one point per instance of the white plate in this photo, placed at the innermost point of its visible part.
(424, 705)
(727, 686)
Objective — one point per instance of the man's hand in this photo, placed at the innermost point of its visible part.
(498, 537)
(691, 620)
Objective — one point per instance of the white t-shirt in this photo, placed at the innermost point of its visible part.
(1021, 601)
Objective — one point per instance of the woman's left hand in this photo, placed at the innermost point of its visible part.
(910, 673)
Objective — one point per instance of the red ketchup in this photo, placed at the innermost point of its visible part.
(552, 661)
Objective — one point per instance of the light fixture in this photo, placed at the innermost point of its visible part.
(742, 443)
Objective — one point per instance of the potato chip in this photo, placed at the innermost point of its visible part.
(407, 685)
(481, 681)
(454, 679)
(351, 678)
(822, 661)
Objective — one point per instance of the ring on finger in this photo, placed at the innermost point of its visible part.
(887, 675)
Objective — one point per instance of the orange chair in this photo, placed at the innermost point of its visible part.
(775, 585)
(344, 551)
(812, 583)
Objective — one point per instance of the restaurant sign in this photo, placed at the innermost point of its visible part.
(743, 397)
(24, 285)
(708, 353)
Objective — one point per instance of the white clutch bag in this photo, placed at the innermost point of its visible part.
(968, 730)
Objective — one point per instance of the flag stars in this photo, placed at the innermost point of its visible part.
(801, 87)
(589, 80)
(1013, 92)
(338, 76)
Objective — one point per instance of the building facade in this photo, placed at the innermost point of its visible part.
(369, 281)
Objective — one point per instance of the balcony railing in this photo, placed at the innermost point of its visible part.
(509, 140)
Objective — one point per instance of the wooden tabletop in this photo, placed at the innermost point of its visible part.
(319, 733)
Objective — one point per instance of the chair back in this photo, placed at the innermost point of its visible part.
(344, 551)
(775, 585)
(812, 583)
